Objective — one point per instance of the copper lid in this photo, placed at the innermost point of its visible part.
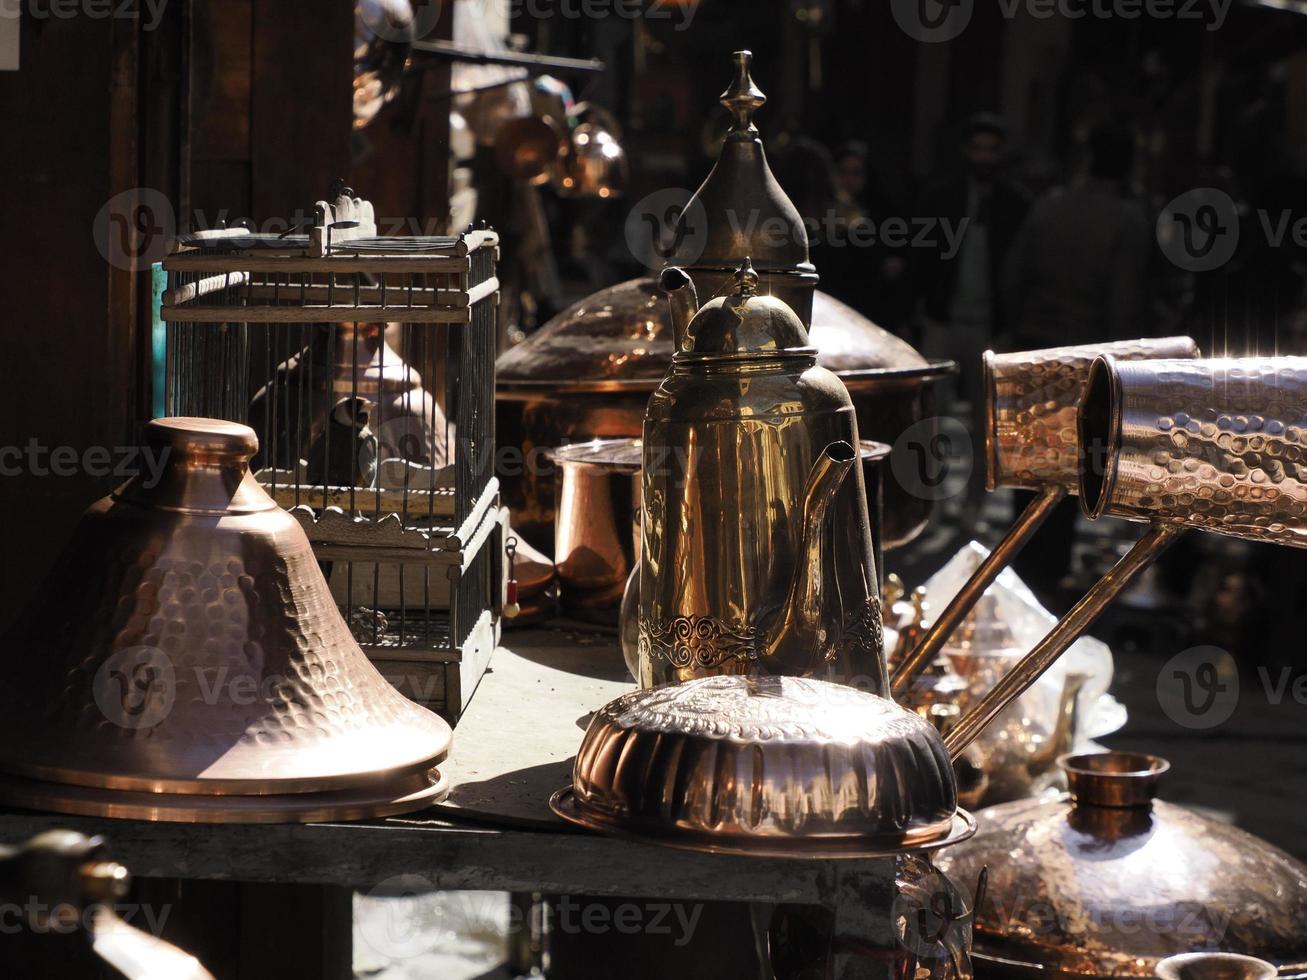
(746, 210)
(620, 339)
(743, 323)
(765, 765)
(187, 643)
(1108, 881)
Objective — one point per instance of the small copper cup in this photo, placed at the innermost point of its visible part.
(1219, 445)
(1030, 408)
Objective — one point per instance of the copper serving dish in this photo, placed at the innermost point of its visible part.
(185, 661)
(1106, 881)
(779, 766)
(589, 371)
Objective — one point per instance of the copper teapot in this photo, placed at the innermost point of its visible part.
(749, 482)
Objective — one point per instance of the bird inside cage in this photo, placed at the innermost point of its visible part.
(292, 411)
(345, 454)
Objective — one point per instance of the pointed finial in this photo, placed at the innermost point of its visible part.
(743, 98)
(746, 279)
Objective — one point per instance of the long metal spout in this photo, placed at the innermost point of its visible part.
(798, 639)
(679, 287)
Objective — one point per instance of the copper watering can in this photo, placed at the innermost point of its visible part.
(1031, 443)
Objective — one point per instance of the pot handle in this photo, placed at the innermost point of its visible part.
(1067, 630)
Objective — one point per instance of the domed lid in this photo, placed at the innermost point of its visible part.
(1107, 881)
(621, 338)
(745, 209)
(187, 643)
(744, 323)
(765, 765)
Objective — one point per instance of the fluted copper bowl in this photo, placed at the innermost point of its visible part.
(778, 766)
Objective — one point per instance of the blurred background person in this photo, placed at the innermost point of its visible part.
(961, 293)
(1077, 274)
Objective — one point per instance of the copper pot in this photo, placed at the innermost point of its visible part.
(1106, 881)
(589, 372)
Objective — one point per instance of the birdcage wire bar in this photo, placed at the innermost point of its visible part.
(368, 375)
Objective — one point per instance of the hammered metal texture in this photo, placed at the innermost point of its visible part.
(1092, 891)
(768, 759)
(178, 647)
(1032, 396)
(1219, 445)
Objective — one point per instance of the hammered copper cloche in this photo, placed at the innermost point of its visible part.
(780, 766)
(1107, 881)
(185, 661)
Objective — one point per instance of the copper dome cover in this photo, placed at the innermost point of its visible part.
(187, 643)
(1106, 882)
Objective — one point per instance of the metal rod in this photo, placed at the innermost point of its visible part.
(947, 621)
(449, 51)
(1067, 631)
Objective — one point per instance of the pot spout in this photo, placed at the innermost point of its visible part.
(798, 640)
(684, 301)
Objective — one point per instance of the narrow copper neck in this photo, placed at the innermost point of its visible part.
(197, 467)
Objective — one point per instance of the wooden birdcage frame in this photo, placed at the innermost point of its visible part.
(415, 558)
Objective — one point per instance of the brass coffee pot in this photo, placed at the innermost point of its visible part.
(756, 551)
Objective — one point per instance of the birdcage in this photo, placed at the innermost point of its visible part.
(365, 364)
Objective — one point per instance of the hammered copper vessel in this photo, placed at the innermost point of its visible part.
(780, 766)
(1215, 444)
(1031, 404)
(756, 553)
(185, 661)
(1107, 881)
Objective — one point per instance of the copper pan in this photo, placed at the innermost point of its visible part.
(1031, 400)
(185, 661)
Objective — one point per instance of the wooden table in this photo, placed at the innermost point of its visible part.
(512, 749)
